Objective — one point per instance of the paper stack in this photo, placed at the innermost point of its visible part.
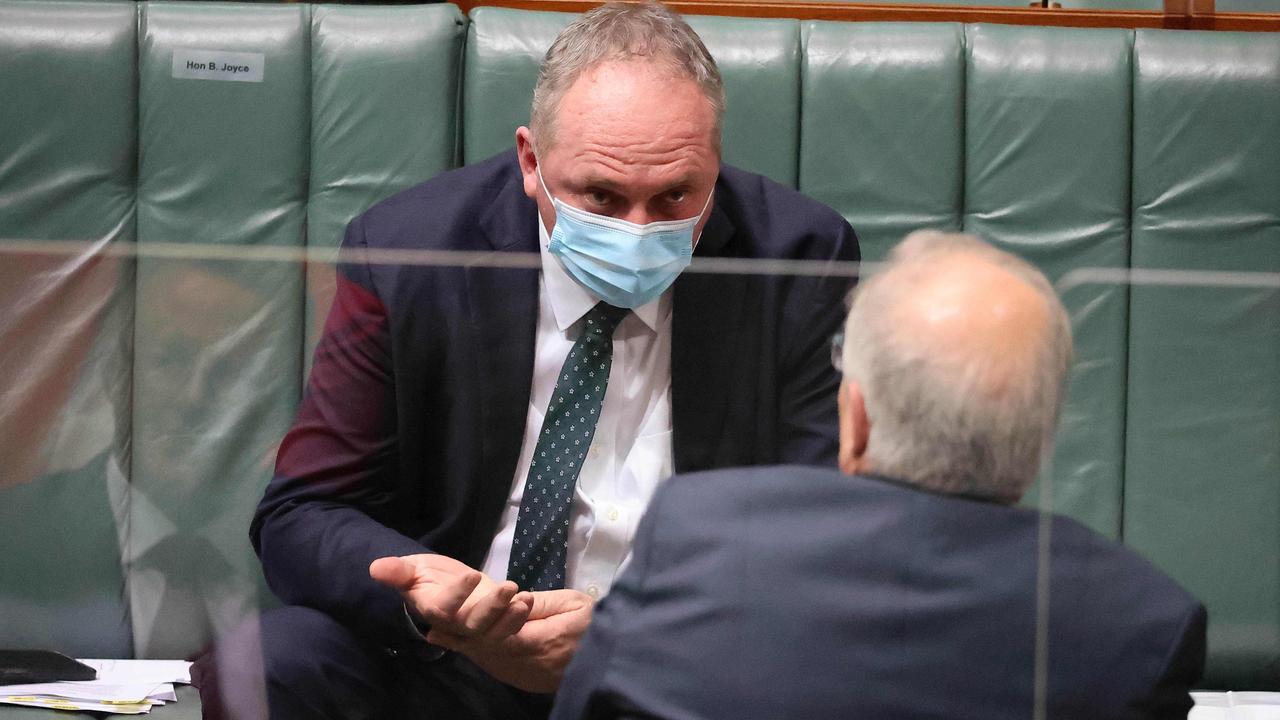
(1235, 706)
(124, 687)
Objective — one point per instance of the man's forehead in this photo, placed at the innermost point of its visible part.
(611, 162)
(634, 91)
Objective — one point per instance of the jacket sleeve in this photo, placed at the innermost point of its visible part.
(1182, 669)
(814, 313)
(327, 512)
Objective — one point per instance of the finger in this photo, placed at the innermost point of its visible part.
(511, 620)
(442, 604)
(548, 603)
(487, 608)
(393, 572)
(565, 614)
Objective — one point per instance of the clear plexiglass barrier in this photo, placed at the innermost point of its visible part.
(165, 407)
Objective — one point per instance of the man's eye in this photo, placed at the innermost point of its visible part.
(675, 197)
(598, 197)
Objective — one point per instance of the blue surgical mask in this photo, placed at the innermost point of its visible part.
(622, 263)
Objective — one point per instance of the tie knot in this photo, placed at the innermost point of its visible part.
(603, 319)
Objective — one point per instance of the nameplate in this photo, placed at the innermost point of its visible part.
(189, 64)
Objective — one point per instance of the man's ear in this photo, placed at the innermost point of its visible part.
(528, 161)
(855, 428)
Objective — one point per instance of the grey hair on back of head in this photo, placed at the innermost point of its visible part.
(615, 31)
(933, 421)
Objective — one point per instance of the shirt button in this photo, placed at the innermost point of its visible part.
(613, 514)
(593, 591)
(595, 452)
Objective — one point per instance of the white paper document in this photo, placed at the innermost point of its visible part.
(1235, 706)
(141, 671)
(124, 687)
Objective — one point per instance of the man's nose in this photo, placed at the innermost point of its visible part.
(638, 215)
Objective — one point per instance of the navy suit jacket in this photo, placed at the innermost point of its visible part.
(792, 592)
(411, 425)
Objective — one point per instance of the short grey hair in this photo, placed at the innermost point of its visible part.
(934, 421)
(646, 31)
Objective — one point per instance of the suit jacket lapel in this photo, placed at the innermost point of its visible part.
(707, 324)
(504, 319)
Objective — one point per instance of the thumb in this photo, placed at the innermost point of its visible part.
(556, 602)
(392, 571)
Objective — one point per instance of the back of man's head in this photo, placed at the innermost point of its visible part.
(960, 353)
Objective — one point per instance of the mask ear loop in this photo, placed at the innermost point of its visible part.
(541, 182)
(705, 205)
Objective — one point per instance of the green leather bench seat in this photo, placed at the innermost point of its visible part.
(881, 117)
(195, 361)
(67, 154)
(1202, 470)
(1047, 176)
(179, 372)
(221, 163)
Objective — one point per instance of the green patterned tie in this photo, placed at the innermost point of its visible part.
(542, 531)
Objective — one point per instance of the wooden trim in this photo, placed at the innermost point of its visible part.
(1245, 22)
(874, 12)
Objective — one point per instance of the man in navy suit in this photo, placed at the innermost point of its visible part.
(438, 550)
(910, 586)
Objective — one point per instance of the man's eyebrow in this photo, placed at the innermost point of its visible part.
(600, 182)
(684, 181)
(596, 181)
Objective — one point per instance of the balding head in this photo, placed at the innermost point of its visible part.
(955, 359)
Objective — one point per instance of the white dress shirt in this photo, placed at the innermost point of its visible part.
(631, 451)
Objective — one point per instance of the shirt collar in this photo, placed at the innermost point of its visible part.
(570, 300)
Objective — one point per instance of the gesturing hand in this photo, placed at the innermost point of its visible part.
(535, 657)
(454, 598)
